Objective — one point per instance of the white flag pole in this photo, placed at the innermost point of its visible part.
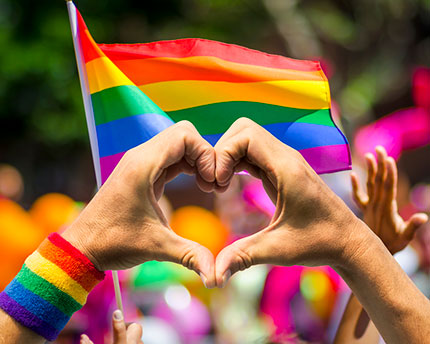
(89, 114)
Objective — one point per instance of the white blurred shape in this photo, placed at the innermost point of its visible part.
(408, 260)
(158, 331)
(177, 297)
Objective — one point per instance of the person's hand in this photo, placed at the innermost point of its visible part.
(122, 333)
(123, 225)
(379, 205)
(311, 225)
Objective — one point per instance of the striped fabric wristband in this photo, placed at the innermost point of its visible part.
(53, 283)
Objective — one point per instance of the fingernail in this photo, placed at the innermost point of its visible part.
(204, 279)
(117, 315)
(225, 278)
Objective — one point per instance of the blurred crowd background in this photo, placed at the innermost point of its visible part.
(376, 55)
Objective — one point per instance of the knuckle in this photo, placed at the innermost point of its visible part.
(244, 122)
(186, 126)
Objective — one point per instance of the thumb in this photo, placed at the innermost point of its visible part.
(413, 224)
(119, 328)
(134, 334)
(191, 255)
(238, 256)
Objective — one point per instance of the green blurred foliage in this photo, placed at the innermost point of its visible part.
(370, 47)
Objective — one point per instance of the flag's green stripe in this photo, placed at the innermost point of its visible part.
(125, 101)
(218, 117)
(47, 291)
(121, 101)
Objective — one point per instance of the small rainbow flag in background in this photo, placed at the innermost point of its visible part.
(134, 91)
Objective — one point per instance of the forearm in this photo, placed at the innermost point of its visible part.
(398, 309)
(355, 326)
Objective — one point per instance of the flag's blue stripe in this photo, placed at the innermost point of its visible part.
(125, 133)
(298, 135)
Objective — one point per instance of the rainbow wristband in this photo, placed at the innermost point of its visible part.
(53, 283)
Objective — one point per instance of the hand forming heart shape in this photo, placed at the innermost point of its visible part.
(123, 225)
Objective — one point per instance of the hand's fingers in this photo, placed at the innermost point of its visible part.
(246, 139)
(371, 174)
(182, 140)
(413, 224)
(390, 185)
(134, 333)
(85, 340)
(358, 194)
(380, 174)
(119, 329)
(189, 254)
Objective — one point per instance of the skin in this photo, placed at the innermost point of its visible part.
(312, 226)
(380, 213)
(123, 225)
(122, 334)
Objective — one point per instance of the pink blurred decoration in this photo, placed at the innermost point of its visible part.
(192, 323)
(421, 87)
(282, 286)
(255, 196)
(404, 129)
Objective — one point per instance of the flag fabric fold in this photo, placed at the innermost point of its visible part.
(138, 90)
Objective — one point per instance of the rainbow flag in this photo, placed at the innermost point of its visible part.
(134, 91)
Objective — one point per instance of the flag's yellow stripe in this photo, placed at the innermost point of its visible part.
(299, 94)
(56, 276)
(102, 74)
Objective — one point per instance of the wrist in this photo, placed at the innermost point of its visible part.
(83, 241)
(356, 246)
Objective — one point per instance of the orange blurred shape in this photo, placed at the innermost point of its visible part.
(200, 225)
(19, 237)
(54, 211)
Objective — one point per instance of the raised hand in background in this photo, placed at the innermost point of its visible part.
(379, 205)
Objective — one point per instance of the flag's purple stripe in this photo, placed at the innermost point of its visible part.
(108, 163)
(125, 133)
(328, 159)
(128, 132)
(36, 305)
(26, 318)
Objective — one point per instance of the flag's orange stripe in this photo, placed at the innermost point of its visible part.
(147, 71)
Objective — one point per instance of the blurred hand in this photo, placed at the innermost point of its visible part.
(123, 225)
(379, 205)
(122, 334)
(311, 225)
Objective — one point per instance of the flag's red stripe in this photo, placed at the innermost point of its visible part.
(89, 48)
(202, 47)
